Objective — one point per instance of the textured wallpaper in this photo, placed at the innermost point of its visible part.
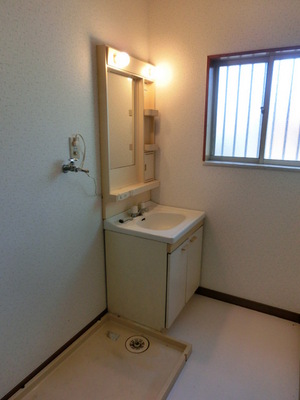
(52, 280)
(252, 231)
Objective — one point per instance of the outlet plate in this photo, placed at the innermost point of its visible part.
(74, 150)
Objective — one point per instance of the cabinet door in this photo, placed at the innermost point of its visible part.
(149, 167)
(194, 263)
(136, 272)
(177, 264)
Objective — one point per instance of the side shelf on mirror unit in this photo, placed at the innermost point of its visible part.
(150, 147)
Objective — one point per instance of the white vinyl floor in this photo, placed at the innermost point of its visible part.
(238, 354)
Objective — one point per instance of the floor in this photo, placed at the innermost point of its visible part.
(238, 354)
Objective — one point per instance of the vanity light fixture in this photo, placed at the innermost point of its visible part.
(121, 59)
(149, 72)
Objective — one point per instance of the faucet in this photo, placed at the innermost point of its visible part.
(136, 212)
(72, 167)
(143, 208)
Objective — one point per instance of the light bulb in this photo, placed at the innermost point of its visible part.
(121, 59)
(149, 72)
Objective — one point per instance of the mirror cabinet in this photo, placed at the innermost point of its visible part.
(127, 114)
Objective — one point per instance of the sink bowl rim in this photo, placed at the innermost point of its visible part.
(192, 218)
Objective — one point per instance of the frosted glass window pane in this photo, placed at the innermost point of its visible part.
(222, 88)
(257, 100)
(240, 98)
(231, 103)
(282, 139)
(243, 110)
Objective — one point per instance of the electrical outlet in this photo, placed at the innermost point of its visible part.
(74, 150)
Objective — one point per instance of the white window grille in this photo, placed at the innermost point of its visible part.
(253, 108)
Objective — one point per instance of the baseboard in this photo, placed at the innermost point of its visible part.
(51, 358)
(253, 305)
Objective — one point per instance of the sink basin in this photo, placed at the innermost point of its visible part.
(161, 221)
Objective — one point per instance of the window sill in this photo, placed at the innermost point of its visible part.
(251, 165)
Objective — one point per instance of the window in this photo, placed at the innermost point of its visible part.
(253, 108)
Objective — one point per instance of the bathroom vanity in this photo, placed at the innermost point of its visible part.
(153, 261)
(153, 271)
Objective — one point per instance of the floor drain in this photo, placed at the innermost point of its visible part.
(137, 344)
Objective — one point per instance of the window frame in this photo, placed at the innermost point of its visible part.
(213, 63)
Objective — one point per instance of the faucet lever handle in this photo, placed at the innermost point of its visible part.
(134, 211)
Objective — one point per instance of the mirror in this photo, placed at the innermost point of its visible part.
(121, 120)
(125, 129)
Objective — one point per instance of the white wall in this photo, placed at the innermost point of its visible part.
(252, 241)
(52, 279)
(51, 247)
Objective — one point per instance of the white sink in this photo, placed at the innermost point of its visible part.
(162, 223)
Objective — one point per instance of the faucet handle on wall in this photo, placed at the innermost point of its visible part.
(72, 167)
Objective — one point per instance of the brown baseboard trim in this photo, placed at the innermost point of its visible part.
(253, 305)
(51, 358)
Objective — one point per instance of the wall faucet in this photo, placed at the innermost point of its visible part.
(72, 167)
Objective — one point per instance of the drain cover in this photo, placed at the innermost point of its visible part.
(137, 344)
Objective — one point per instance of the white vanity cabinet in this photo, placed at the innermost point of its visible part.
(176, 283)
(149, 281)
(184, 272)
(194, 256)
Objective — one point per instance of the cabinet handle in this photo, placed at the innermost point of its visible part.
(193, 239)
